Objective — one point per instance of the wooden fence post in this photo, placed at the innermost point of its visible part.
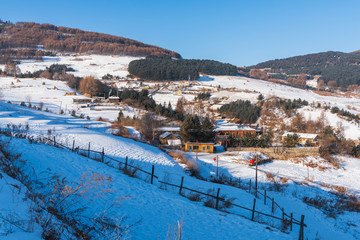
(283, 213)
(73, 147)
(181, 185)
(253, 211)
(250, 186)
(102, 155)
(89, 150)
(291, 221)
(265, 196)
(126, 159)
(301, 232)
(152, 174)
(54, 141)
(272, 205)
(217, 199)
(239, 182)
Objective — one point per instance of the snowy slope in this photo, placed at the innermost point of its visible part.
(156, 209)
(346, 224)
(271, 89)
(85, 65)
(166, 168)
(15, 207)
(52, 95)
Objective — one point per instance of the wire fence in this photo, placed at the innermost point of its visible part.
(287, 220)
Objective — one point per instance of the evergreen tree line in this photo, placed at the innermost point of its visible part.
(252, 140)
(203, 96)
(332, 66)
(54, 68)
(143, 100)
(243, 110)
(160, 68)
(350, 116)
(194, 130)
(293, 104)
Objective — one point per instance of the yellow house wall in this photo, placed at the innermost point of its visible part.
(200, 145)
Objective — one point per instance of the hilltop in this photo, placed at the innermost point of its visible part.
(332, 66)
(33, 40)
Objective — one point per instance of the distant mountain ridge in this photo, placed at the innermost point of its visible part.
(64, 39)
(344, 68)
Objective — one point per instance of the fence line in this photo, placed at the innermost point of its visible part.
(78, 150)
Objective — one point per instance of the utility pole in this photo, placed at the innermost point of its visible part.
(256, 173)
(307, 166)
(217, 167)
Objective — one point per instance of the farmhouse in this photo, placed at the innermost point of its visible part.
(234, 130)
(81, 100)
(170, 139)
(113, 99)
(304, 138)
(199, 147)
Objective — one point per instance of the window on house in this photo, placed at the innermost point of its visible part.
(196, 147)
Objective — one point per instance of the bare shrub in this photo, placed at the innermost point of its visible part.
(192, 167)
(130, 171)
(285, 225)
(277, 184)
(284, 180)
(195, 197)
(175, 232)
(209, 202)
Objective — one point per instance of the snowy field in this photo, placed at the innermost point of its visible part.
(84, 65)
(156, 208)
(169, 206)
(52, 95)
(269, 89)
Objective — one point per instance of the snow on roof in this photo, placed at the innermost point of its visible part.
(165, 134)
(233, 127)
(169, 129)
(302, 135)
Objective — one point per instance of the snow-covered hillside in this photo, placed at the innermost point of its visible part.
(162, 207)
(269, 89)
(156, 209)
(84, 65)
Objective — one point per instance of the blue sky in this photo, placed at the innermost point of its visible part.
(239, 32)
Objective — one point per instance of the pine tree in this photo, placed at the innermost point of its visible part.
(207, 131)
(190, 129)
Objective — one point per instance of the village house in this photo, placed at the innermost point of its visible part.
(81, 100)
(235, 130)
(304, 138)
(170, 139)
(199, 147)
(113, 99)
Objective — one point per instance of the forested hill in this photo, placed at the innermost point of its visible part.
(165, 68)
(344, 68)
(64, 39)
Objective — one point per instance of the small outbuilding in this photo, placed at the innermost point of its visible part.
(170, 139)
(304, 138)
